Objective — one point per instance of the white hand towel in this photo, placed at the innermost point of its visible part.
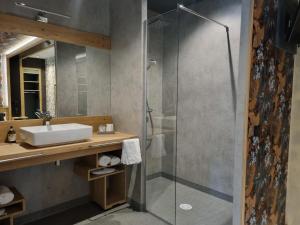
(115, 160)
(131, 152)
(6, 195)
(104, 160)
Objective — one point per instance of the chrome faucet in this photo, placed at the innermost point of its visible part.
(45, 116)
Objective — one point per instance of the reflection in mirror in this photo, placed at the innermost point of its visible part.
(32, 80)
(59, 78)
(83, 80)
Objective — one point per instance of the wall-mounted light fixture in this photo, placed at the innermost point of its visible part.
(41, 12)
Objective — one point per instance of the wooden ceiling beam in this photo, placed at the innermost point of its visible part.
(20, 25)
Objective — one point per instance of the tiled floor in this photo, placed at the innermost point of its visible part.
(125, 217)
(207, 209)
(69, 217)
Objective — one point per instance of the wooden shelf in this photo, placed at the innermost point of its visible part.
(109, 166)
(107, 190)
(85, 170)
(31, 81)
(95, 177)
(31, 90)
(17, 198)
(14, 208)
(115, 190)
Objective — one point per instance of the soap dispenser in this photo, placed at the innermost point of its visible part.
(11, 135)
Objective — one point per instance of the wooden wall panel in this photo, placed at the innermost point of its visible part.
(271, 82)
(21, 25)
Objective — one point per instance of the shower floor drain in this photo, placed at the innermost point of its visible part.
(186, 207)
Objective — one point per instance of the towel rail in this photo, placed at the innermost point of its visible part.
(21, 158)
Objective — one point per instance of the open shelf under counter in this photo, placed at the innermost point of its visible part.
(15, 207)
(85, 170)
(119, 169)
(109, 191)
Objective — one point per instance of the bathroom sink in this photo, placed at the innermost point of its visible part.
(55, 134)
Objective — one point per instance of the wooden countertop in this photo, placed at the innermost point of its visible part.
(21, 150)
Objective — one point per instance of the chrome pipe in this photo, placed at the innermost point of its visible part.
(182, 7)
(23, 5)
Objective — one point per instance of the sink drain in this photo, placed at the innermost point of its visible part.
(185, 207)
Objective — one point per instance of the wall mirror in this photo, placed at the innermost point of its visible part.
(52, 76)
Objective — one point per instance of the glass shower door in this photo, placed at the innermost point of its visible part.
(161, 78)
(206, 114)
(191, 97)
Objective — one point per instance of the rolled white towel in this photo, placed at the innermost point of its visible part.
(115, 160)
(6, 195)
(104, 160)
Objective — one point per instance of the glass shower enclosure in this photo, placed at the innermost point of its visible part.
(190, 113)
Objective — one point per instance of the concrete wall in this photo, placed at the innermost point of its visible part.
(206, 90)
(83, 84)
(241, 131)
(67, 102)
(127, 82)
(46, 185)
(98, 81)
(154, 93)
(293, 183)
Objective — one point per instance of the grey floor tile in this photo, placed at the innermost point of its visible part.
(128, 217)
(207, 209)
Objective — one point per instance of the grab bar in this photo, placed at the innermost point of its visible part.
(20, 158)
(105, 144)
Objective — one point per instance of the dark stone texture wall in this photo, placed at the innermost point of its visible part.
(271, 83)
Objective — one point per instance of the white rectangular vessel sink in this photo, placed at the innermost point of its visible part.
(55, 134)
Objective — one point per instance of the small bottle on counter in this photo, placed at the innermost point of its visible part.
(11, 135)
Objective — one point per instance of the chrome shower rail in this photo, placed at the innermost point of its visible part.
(182, 7)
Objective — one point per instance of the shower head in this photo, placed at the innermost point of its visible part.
(151, 62)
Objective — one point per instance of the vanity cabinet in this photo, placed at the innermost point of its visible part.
(107, 190)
